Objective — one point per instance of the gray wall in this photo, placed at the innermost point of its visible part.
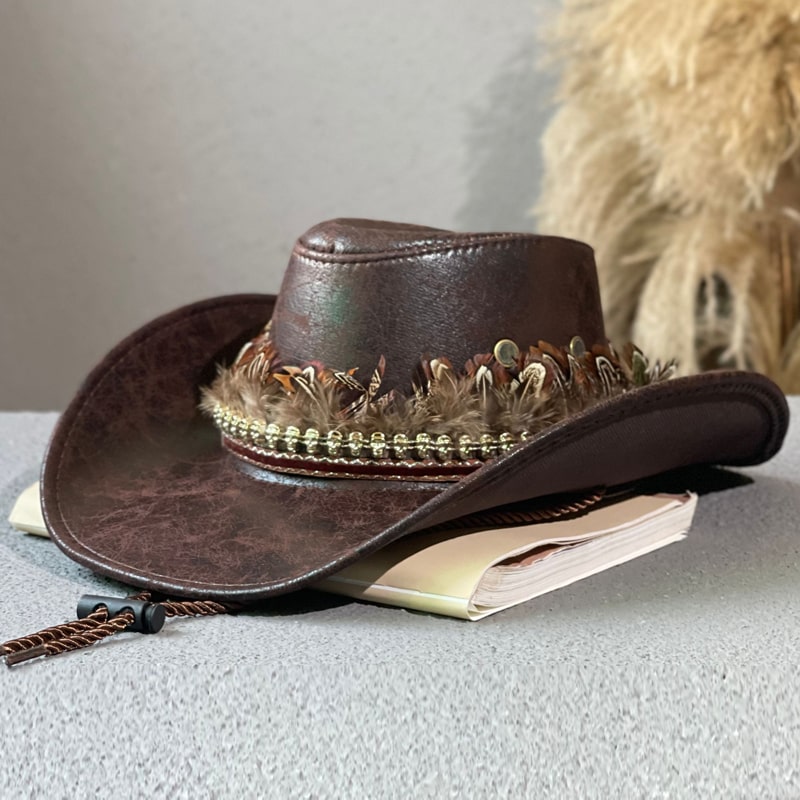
(156, 153)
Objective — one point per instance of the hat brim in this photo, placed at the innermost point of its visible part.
(136, 485)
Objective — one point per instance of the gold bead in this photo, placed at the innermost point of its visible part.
(311, 441)
(400, 445)
(333, 442)
(444, 447)
(271, 436)
(465, 447)
(377, 443)
(256, 431)
(487, 446)
(291, 437)
(506, 442)
(355, 442)
(423, 445)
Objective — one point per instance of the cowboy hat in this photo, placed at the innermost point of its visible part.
(407, 376)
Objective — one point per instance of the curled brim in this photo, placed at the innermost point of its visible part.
(136, 484)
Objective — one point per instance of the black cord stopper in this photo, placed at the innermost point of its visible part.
(147, 617)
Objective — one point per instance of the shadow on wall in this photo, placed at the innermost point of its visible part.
(503, 154)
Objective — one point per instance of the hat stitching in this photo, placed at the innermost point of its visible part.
(442, 240)
(321, 258)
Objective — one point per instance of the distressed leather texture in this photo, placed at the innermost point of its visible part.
(135, 484)
(355, 290)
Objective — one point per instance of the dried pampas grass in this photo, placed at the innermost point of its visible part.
(676, 153)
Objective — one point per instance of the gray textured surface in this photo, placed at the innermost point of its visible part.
(672, 676)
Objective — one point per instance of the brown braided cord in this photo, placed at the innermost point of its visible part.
(194, 608)
(69, 636)
(90, 636)
(95, 627)
(65, 630)
(188, 608)
(546, 513)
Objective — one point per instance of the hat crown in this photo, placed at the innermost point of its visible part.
(358, 289)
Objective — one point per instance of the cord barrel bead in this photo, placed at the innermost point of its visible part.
(147, 617)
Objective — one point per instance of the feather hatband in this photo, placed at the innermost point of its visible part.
(310, 419)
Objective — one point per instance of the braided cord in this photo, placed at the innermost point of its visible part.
(95, 627)
(65, 630)
(194, 608)
(91, 635)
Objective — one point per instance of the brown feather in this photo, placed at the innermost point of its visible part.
(486, 398)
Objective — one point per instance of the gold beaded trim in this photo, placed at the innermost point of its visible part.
(272, 438)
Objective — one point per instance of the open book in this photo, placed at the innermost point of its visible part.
(473, 573)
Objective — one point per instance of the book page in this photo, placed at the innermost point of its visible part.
(27, 513)
(510, 583)
(450, 565)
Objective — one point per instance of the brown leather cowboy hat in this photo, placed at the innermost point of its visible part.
(409, 376)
